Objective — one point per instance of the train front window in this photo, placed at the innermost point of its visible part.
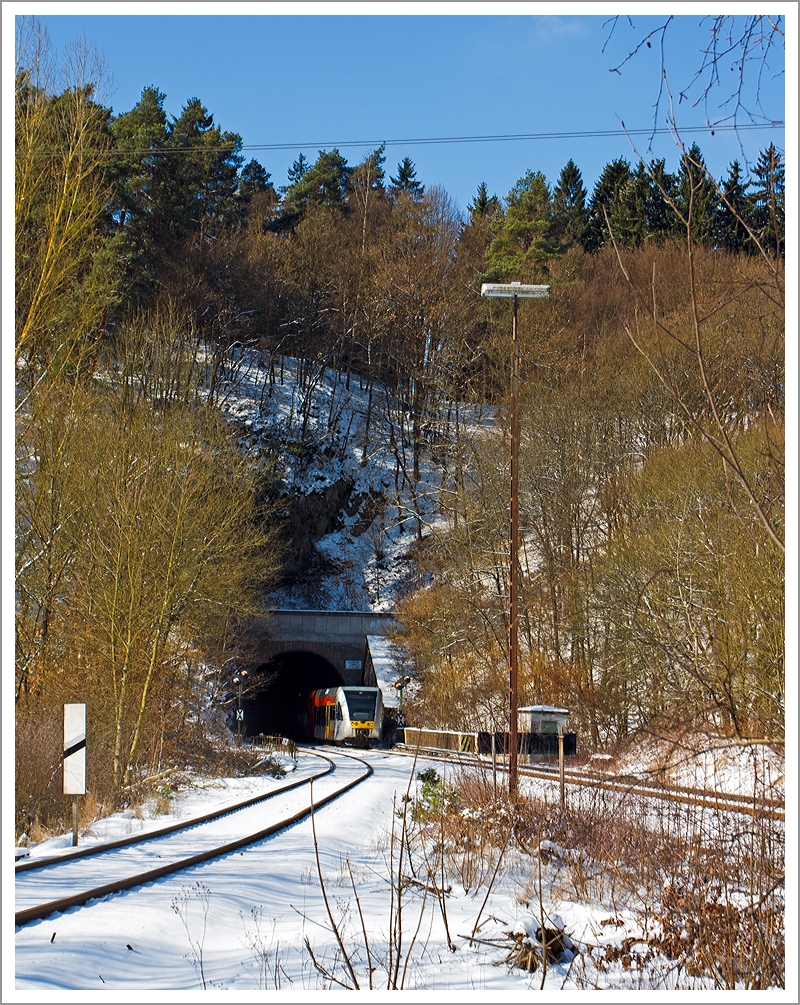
(361, 704)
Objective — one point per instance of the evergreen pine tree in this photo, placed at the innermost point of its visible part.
(733, 211)
(570, 215)
(521, 240)
(204, 176)
(658, 212)
(141, 135)
(370, 171)
(257, 195)
(769, 193)
(297, 170)
(484, 205)
(627, 210)
(177, 180)
(406, 180)
(694, 189)
(613, 177)
(324, 183)
(254, 178)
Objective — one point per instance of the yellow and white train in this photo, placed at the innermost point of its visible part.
(346, 715)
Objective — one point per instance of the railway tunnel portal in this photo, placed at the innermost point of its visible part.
(300, 651)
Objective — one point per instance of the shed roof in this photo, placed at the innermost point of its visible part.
(385, 663)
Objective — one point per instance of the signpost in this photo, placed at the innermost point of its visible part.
(561, 763)
(74, 758)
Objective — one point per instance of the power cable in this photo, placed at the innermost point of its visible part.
(575, 134)
(440, 140)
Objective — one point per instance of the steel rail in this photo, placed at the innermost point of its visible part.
(103, 846)
(680, 790)
(576, 774)
(40, 911)
(725, 802)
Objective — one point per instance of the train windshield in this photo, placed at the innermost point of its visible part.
(361, 704)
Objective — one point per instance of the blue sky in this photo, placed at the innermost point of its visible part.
(319, 80)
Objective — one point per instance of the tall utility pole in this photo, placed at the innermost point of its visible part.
(514, 291)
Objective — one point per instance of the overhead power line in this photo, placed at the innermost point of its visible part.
(574, 134)
(439, 140)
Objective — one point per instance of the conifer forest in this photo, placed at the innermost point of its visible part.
(151, 252)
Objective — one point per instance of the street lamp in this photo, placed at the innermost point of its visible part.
(514, 291)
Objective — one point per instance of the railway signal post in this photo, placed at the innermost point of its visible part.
(239, 680)
(514, 291)
(399, 686)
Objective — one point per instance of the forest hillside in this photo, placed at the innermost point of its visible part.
(153, 523)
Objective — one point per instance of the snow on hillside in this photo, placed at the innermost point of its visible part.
(707, 762)
(364, 562)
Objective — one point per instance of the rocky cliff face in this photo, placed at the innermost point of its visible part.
(351, 521)
(310, 516)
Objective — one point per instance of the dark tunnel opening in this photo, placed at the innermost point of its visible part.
(278, 707)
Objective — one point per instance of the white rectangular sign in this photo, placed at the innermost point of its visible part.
(74, 749)
(509, 290)
(352, 664)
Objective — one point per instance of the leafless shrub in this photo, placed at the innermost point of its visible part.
(265, 950)
(183, 905)
(705, 885)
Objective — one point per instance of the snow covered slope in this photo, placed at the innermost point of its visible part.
(357, 500)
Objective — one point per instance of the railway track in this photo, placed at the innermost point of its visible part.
(720, 801)
(56, 884)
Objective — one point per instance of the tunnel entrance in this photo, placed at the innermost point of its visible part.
(279, 708)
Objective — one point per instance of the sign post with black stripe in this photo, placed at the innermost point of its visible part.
(74, 758)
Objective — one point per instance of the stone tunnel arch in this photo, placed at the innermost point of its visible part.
(280, 686)
(306, 650)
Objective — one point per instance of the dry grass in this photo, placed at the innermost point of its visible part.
(42, 810)
(706, 889)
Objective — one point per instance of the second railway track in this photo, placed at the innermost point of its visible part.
(720, 801)
(54, 885)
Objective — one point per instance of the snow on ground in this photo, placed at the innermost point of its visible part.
(703, 762)
(250, 921)
(192, 798)
(250, 913)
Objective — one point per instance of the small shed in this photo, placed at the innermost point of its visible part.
(542, 719)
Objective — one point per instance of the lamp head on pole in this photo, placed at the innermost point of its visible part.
(510, 290)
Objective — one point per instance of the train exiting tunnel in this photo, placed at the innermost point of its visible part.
(279, 693)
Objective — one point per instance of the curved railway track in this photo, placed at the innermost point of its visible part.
(722, 801)
(130, 854)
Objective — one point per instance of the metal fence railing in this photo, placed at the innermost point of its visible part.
(439, 739)
(278, 744)
(528, 744)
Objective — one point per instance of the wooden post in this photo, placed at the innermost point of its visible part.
(561, 764)
(513, 291)
(74, 821)
(514, 562)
